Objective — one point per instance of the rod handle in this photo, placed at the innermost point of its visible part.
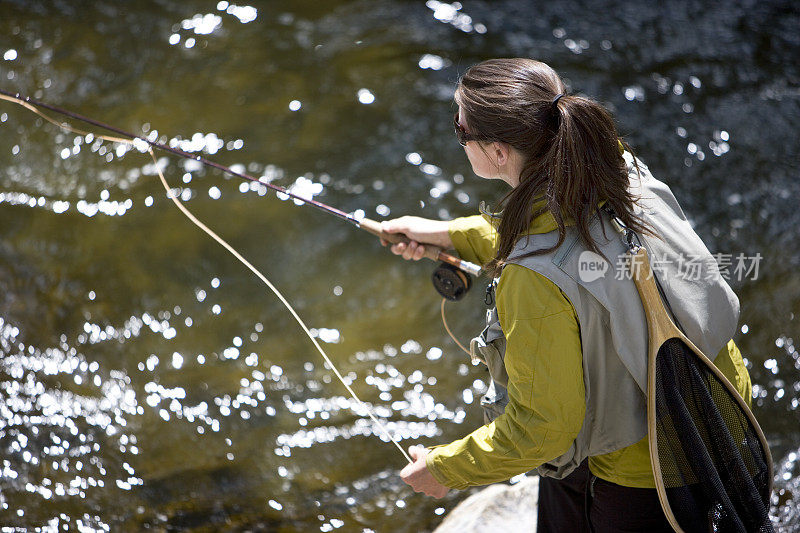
(432, 252)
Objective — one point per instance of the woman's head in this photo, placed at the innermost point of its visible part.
(508, 100)
(568, 147)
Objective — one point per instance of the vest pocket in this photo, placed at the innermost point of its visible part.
(489, 348)
(494, 402)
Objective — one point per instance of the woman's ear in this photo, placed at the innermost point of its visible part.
(502, 151)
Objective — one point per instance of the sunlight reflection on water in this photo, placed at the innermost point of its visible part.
(143, 382)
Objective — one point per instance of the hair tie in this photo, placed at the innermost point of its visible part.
(554, 103)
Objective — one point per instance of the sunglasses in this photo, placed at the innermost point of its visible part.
(461, 134)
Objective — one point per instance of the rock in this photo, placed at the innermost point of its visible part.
(499, 507)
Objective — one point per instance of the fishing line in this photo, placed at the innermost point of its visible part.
(444, 321)
(277, 293)
(172, 196)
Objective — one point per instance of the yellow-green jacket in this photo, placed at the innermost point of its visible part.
(546, 392)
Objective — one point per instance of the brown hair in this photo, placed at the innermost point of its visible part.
(570, 148)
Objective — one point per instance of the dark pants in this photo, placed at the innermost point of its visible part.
(583, 503)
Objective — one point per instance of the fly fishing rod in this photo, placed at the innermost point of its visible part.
(451, 279)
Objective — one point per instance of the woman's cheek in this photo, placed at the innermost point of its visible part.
(477, 164)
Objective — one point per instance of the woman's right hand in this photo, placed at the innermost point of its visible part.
(420, 231)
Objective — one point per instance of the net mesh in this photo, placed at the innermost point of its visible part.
(714, 467)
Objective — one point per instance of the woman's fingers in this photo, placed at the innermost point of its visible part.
(417, 475)
(418, 253)
(399, 248)
(412, 250)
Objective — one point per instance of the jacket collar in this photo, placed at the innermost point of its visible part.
(543, 223)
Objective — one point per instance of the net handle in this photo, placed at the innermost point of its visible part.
(661, 328)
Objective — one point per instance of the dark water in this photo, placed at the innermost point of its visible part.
(148, 382)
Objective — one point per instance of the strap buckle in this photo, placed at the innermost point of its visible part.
(488, 299)
(628, 235)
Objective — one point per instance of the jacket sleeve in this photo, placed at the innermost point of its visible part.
(545, 387)
(474, 238)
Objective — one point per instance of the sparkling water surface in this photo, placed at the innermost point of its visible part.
(149, 381)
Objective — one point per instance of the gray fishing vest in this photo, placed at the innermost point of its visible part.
(611, 318)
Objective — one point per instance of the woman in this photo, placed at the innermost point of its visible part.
(567, 347)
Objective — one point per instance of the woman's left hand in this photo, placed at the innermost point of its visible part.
(418, 476)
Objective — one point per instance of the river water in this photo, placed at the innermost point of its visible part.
(147, 381)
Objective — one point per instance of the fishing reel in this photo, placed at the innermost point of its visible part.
(451, 282)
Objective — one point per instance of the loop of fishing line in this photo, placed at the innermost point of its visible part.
(172, 196)
(444, 321)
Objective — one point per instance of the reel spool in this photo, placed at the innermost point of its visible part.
(451, 282)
